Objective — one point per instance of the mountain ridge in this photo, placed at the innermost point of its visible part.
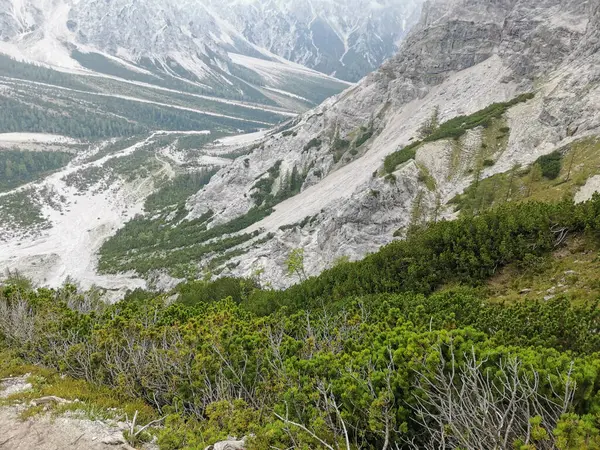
(468, 65)
(194, 37)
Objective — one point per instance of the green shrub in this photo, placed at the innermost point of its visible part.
(401, 156)
(467, 250)
(353, 342)
(314, 142)
(550, 165)
(454, 129)
(364, 137)
(195, 292)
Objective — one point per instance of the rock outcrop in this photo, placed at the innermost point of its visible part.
(230, 444)
(49, 432)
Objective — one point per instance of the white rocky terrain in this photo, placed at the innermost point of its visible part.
(345, 38)
(46, 432)
(196, 36)
(51, 229)
(219, 48)
(322, 172)
(77, 429)
(462, 56)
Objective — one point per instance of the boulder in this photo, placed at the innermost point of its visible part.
(230, 444)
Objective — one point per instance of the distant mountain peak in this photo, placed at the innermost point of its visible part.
(346, 39)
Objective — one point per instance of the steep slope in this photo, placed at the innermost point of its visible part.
(180, 45)
(347, 177)
(106, 108)
(462, 57)
(340, 37)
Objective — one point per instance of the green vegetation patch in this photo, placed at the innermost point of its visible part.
(264, 186)
(12, 68)
(570, 272)
(84, 115)
(21, 210)
(550, 165)
(145, 244)
(392, 339)
(116, 146)
(95, 401)
(400, 157)
(19, 167)
(457, 127)
(576, 163)
(290, 185)
(84, 179)
(38, 116)
(467, 250)
(366, 134)
(313, 143)
(176, 191)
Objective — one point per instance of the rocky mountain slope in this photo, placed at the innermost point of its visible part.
(222, 46)
(345, 38)
(462, 56)
(500, 84)
(176, 45)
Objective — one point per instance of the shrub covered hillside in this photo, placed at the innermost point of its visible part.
(402, 350)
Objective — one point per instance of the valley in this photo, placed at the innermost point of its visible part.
(265, 224)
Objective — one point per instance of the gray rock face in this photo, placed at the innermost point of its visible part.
(348, 38)
(462, 56)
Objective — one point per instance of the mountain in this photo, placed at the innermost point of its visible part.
(508, 91)
(476, 150)
(177, 45)
(222, 46)
(461, 58)
(344, 38)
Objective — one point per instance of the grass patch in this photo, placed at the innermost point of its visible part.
(426, 178)
(364, 137)
(581, 160)
(455, 128)
(400, 157)
(571, 271)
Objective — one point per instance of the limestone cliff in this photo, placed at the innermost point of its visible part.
(462, 56)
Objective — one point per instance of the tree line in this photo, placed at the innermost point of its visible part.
(19, 167)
